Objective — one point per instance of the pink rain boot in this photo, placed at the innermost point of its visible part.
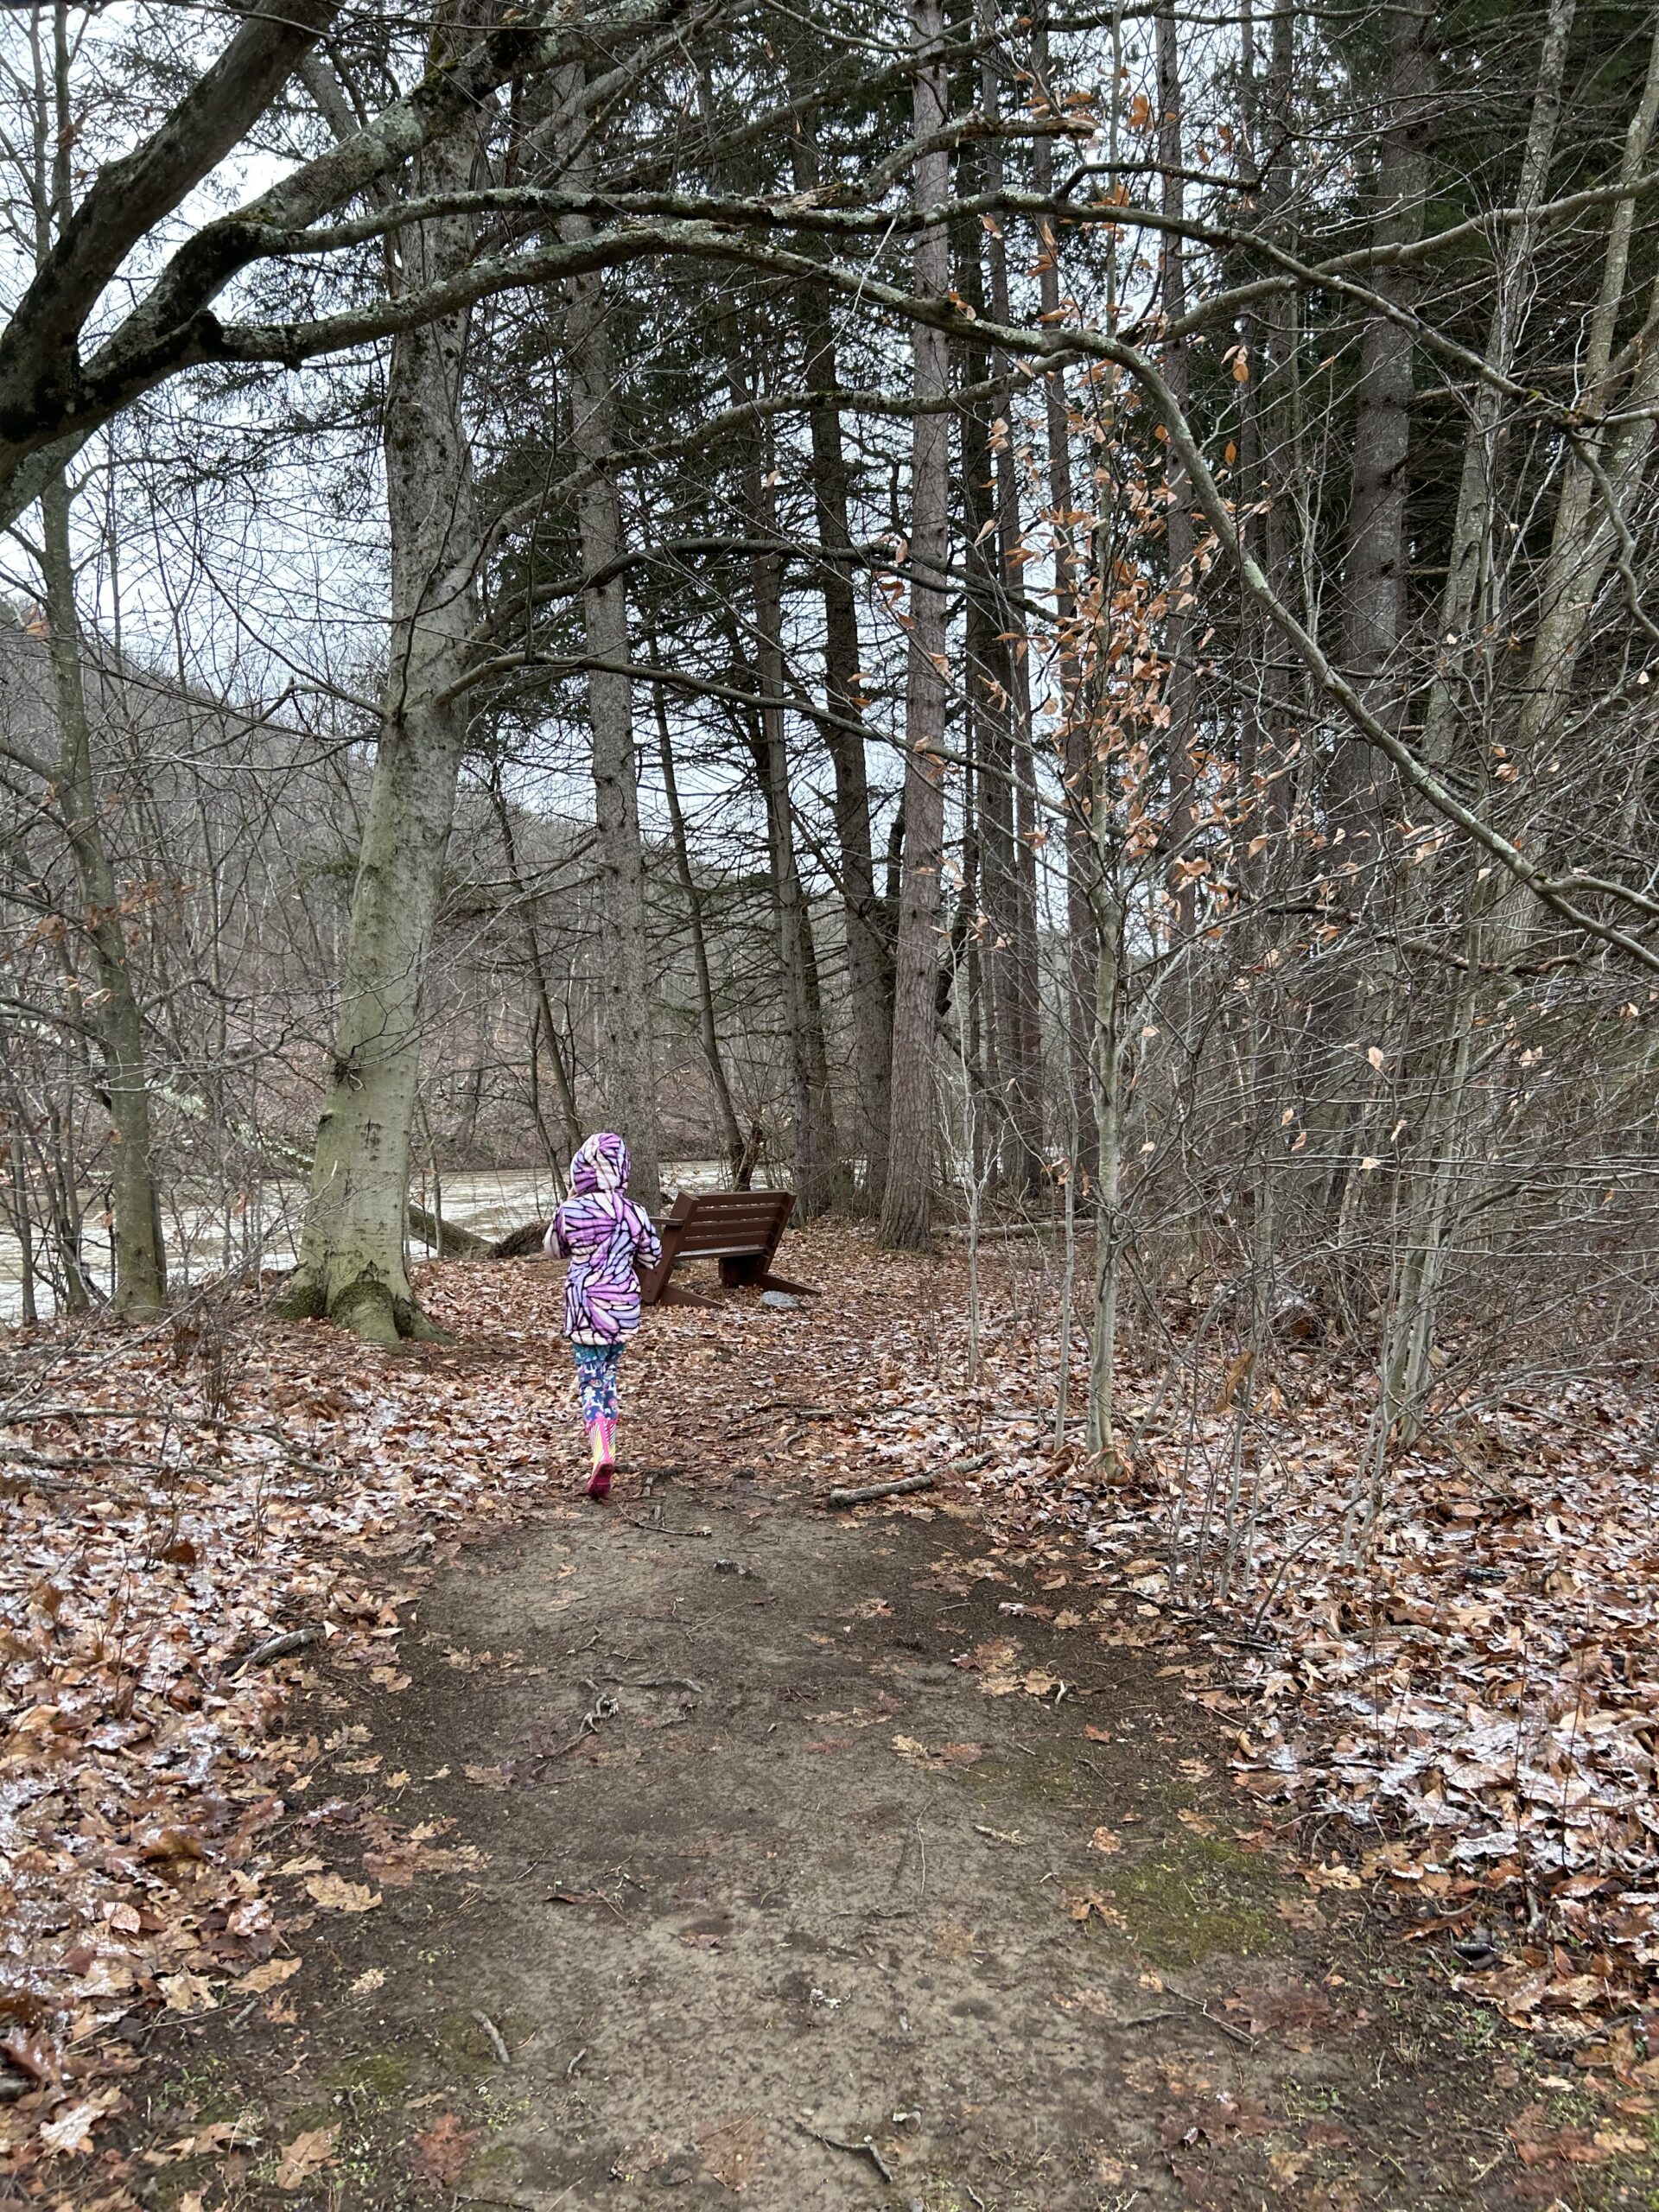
(600, 1437)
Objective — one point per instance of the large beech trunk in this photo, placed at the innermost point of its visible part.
(353, 1265)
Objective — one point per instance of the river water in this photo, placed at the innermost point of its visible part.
(263, 1229)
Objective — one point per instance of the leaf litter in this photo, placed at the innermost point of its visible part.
(1472, 1705)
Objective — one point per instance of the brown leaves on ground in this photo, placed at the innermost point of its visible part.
(305, 2157)
(335, 1895)
(442, 2154)
(1484, 1683)
(732, 2150)
(947, 1755)
(1479, 1680)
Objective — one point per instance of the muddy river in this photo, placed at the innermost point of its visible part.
(264, 1230)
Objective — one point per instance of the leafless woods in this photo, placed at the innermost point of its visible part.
(1019, 617)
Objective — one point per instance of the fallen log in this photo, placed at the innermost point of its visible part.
(871, 1492)
(276, 1647)
(521, 1243)
(454, 1243)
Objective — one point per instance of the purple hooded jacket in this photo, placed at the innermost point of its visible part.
(601, 1231)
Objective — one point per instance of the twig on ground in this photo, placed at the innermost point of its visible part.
(604, 1707)
(656, 1683)
(493, 2037)
(1238, 2035)
(869, 1494)
(864, 2149)
(276, 1647)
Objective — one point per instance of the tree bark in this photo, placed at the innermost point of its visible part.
(1468, 609)
(907, 1203)
(1076, 765)
(1179, 696)
(869, 942)
(1376, 512)
(1017, 989)
(1580, 551)
(625, 1076)
(353, 1265)
(817, 1169)
(707, 1032)
(115, 1014)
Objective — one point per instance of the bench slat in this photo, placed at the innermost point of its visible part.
(729, 1226)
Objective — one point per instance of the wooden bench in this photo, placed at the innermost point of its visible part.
(740, 1229)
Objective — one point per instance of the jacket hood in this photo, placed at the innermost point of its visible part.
(602, 1164)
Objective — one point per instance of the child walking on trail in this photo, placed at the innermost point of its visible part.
(601, 1231)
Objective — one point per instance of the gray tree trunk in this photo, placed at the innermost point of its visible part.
(625, 1076)
(907, 1201)
(114, 1013)
(708, 1031)
(870, 946)
(1580, 551)
(1018, 989)
(353, 1264)
(1468, 607)
(1376, 511)
(1075, 766)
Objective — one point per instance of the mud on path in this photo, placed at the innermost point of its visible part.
(730, 1852)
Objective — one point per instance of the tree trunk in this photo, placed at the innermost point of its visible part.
(708, 1035)
(1180, 688)
(1075, 764)
(1376, 512)
(1105, 1077)
(1016, 987)
(907, 1203)
(1468, 609)
(627, 1072)
(870, 943)
(544, 1024)
(817, 1169)
(353, 1264)
(1578, 553)
(114, 1013)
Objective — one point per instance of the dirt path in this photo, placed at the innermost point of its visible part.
(704, 1860)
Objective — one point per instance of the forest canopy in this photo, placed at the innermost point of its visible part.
(1041, 611)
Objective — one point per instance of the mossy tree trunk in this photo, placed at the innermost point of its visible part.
(352, 1261)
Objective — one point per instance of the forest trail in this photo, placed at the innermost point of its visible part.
(704, 1858)
(707, 1849)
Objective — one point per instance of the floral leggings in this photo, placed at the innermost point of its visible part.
(596, 1367)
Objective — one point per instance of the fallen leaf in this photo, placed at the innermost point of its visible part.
(269, 1975)
(371, 1979)
(187, 1993)
(335, 1894)
(732, 2150)
(72, 2130)
(305, 2156)
(442, 2154)
(1107, 1841)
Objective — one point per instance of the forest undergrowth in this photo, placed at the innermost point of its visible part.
(1459, 1718)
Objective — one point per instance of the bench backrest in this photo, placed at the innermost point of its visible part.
(726, 1225)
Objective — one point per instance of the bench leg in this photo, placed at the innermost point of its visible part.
(672, 1294)
(770, 1281)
